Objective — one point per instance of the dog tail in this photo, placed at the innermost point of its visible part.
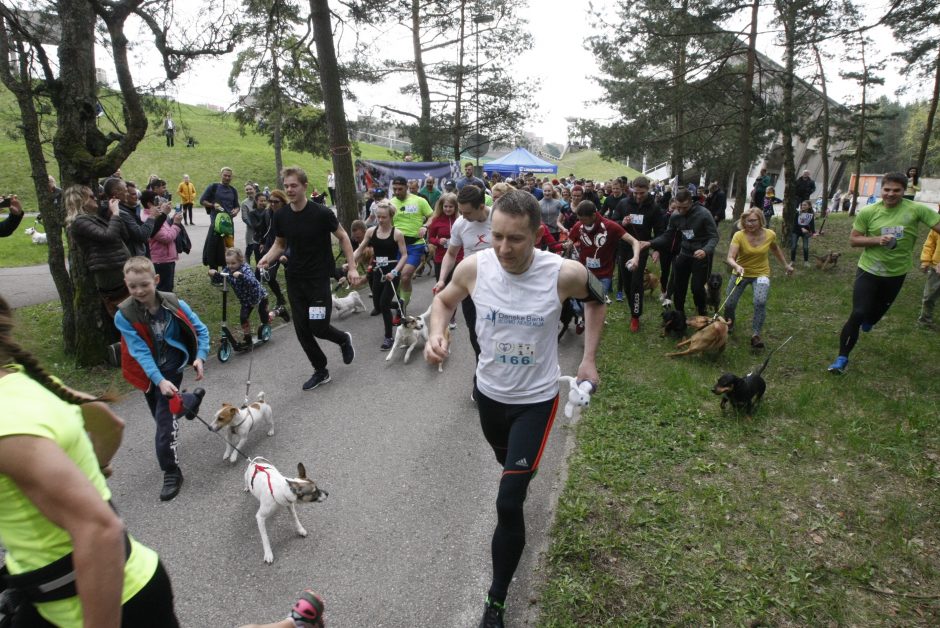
(260, 396)
(767, 360)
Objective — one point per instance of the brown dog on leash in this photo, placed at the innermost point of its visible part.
(712, 337)
(827, 261)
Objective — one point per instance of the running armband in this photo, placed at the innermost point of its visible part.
(595, 290)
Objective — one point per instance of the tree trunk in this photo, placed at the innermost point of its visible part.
(276, 138)
(789, 162)
(744, 140)
(75, 122)
(424, 145)
(53, 220)
(861, 133)
(346, 206)
(458, 105)
(931, 113)
(824, 136)
(679, 69)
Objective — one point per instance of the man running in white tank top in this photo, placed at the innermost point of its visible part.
(518, 292)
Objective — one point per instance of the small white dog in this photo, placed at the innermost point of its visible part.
(273, 490)
(240, 422)
(412, 330)
(38, 237)
(349, 304)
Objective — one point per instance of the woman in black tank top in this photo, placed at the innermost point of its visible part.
(389, 255)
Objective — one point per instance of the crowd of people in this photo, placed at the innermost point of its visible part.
(526, 254)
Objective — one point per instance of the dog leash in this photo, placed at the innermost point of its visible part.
(730, 292)
(184, 409)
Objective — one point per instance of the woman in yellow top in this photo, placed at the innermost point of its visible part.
(66, 548)
(913, 183)
(187, 192)
(749, 259)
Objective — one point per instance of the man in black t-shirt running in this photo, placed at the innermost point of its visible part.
(305, 227)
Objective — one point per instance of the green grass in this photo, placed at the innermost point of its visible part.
(220, 144)
(18, 249)
(589, 164)
(677, 514)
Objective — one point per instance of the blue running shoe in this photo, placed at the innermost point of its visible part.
(838, 367)
(619, 297)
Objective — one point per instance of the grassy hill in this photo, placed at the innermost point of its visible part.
(589, 163)
(219, 144)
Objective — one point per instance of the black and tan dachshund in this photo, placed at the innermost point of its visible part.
(744, 393)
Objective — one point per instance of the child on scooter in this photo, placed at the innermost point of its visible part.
(247, 288)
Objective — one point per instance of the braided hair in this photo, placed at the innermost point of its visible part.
(11, 351)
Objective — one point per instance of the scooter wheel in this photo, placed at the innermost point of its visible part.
(225, 351)
(264, 333)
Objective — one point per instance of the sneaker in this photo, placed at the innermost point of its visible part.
(492, 615)
(756, 342)
(838, 367)
(172, 482)
(662, 297)
(194, 401)
(387, 344)
(347, 348)
(634, 324)
(375, 311)
(308, 609)
(925, 321)
(866, 327)
(283, 313)
(619, 297)
(318, 377)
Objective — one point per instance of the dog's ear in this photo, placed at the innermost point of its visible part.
(301, 471)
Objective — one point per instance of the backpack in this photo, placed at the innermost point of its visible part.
(183, 243)
(223, 225)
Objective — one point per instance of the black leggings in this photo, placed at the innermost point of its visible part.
(245, 313)
(632, 280)
(311, 304)
(383, 297)
(685, 267)
(518, 434)
(152, 607)
(871, 298)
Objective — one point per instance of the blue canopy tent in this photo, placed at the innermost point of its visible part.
(517, 162)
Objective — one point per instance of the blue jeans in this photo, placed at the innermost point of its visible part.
(794, 240)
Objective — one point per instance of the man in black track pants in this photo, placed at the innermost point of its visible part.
(698, 237)
(518, 292)
(305, 227)
(641, 218)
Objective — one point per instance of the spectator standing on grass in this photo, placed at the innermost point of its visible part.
(804, 188)
(187, 194)
(804, 228)
(99, 237)
(913, 183)
(219, 197)
(12, 221)
(331, 186)
(248, 206)
(886, 231)
(930, 265)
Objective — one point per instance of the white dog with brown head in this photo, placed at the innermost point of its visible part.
(273, 490)
(413, 331)
(237, 423)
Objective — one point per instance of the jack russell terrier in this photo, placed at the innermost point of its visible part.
(273, 490)
(349, 304)
(240, 422)
(412, 330)
(38, 237)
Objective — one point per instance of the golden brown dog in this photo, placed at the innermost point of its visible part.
(712, 337)
(827, 261)
(650, 281)
(699, 322)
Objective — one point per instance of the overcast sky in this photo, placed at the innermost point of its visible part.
(565, 70)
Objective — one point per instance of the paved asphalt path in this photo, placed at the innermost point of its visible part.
(404, 538)
(29, 285)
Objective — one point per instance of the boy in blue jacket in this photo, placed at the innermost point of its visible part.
(160, 336)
